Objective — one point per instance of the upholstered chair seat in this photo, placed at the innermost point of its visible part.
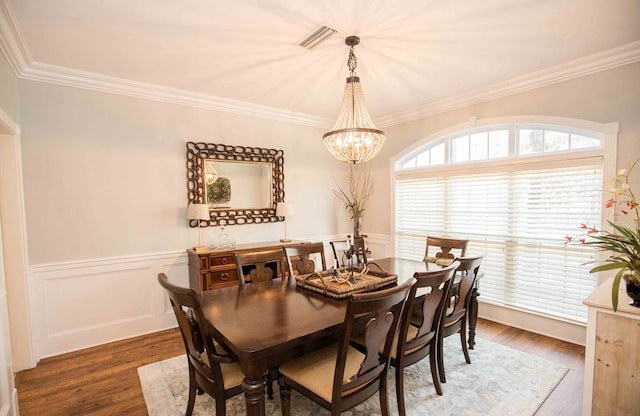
(315, 371)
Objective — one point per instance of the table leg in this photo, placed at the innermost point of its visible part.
(473, 317)
(254, 395)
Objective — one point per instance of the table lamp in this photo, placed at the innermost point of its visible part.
(284, 209)
(198, 212)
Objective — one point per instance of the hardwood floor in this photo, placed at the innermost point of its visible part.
(104, 381)
(100, 381)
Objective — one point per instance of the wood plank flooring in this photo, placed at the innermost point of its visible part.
(103, 380)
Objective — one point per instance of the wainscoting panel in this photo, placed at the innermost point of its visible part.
(111, 296)
(83, 304)
(86, 303)
(8, 393)
(379, 245)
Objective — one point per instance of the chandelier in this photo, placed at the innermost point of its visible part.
(354, 138)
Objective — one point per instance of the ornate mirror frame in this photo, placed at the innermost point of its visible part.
(197, 153)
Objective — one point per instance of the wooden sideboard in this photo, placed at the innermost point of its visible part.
(216, 268)
(612, 355)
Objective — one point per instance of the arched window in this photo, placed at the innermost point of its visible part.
(515, 190)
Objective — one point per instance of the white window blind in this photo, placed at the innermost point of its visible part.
(520, 218)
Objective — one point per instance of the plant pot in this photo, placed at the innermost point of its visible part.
(633, 290)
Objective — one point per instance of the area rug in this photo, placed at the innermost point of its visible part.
(499, 381)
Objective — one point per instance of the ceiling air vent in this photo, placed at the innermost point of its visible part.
(316, 37)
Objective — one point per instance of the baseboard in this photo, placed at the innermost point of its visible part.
(11, 408)
(15, 410)
(539, 324)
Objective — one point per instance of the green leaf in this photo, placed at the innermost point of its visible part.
(609, 266)
(615, 288)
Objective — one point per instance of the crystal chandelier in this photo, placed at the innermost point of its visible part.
(354, 138)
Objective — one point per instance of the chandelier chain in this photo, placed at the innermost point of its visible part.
(352, 62)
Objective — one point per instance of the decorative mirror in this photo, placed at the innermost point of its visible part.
(241, 185)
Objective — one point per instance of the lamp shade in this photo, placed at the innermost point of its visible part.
(198, 212)
(284, 209)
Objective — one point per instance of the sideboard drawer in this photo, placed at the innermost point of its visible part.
(221, 260)
(221, 278)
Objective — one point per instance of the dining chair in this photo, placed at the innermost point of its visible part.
(339, 376)
(440, 248)
(340, 247)
(301, 258)
(455, 315)
(211, 369)
(361, 248)
(425, 306)
(259, 266)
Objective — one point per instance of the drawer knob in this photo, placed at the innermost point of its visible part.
(224, 261)
(224, 276)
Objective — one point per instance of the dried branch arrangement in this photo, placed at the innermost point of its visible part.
(360, 189)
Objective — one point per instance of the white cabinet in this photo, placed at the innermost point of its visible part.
(612, 360)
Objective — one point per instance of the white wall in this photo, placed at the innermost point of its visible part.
(9, 98)
(106, 197)
(105, 191)
(105, 175)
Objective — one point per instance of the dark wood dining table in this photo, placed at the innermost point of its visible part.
(265, 324)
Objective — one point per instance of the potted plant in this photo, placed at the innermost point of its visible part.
(623, 243)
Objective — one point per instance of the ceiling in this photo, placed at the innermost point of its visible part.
(413, 53)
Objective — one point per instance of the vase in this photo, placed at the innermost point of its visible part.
(357, 223)
(633, 290)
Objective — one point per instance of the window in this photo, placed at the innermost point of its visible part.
(515, 191)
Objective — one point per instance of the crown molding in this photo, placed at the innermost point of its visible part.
(104, 83)
(12, 43)
(601, 61)
(7, 125)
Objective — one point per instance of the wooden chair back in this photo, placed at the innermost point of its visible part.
(302, 258)
(467, 274)
(455, 319)
(420, 325)
(441, 248)
(204, 357)
(262, 266)
(339, 247)
(384, 307)
(360, 246)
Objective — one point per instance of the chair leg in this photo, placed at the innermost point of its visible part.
(221, 407)
(285, 397)
(384, 400)
(400, 389)
(463, 339)
(440, 354)
(269, 388)
(193, 387)
(433, 361)
(272, 375)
